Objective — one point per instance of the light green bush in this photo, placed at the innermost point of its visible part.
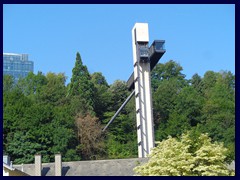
(186, 157)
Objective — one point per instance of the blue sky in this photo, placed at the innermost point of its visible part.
(199, 37)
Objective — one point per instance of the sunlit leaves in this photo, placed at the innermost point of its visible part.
(173, 157)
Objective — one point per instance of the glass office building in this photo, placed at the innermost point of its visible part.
(16, 65)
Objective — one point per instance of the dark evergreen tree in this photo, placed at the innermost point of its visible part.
(196, 82)
(102, 95)
(81, 89)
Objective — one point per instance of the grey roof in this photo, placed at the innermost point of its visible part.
(14, 169)
(114, 167)
(8, 167)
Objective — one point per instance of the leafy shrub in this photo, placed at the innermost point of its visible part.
(186, 157)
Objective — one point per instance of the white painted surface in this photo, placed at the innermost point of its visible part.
(38, 165)
(142, 87)
(141, 32)
(58, 165)
(5, 172)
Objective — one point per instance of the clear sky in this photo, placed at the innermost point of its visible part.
(199, 37)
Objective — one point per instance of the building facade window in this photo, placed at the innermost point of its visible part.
(17, 65)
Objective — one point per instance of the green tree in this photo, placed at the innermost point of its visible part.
(54, 91)
(118, 150)
(121, 135)
(170, 69)
(164, 99)
(15, 104)
(71, 155)
(32, 84)
(22, 147)
(219, 112)
(173, 157)
(102, 94)
(8, 83)
(187, 112)
(37, 110)
(208, 81)
(98, 79)
(167, 82)
(196, 82)
(119, 94)
(81, 86)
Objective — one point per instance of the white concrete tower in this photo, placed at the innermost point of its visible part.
(142, 83)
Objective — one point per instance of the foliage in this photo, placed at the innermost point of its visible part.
(166, 71)
(8, 83)
(71, 155)
(102, 95)
(121, 136)
(21, 147)
(207, 103)
(90, 137)
(196, 83)
(119, 150)
(119, 94)
(38, 120)
(219, 112)
(32, 84)
(186, 112)
(81, 86)
(54, 90)
(174, 157)
(41, 114)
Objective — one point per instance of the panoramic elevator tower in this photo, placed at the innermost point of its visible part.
(142, 83)
(145, 59)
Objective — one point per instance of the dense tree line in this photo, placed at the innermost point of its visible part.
(43, 115)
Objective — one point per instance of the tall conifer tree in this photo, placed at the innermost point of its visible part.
(81, 84)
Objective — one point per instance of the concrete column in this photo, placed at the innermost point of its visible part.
(148, 106)
(143, 97)
(38, 165)
(58, 165)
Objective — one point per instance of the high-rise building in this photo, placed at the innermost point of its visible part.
(16, 65)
